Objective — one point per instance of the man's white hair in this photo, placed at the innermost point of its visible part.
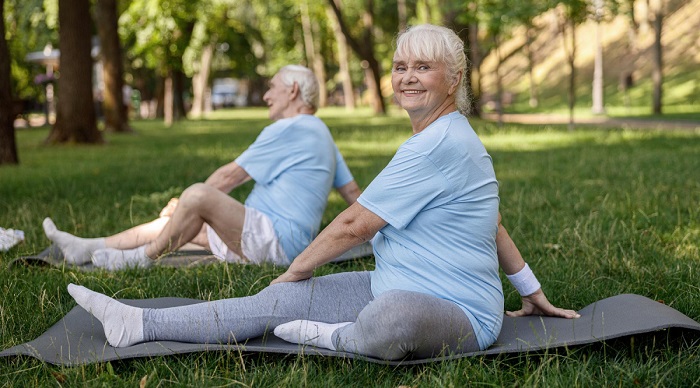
(308, 85)
(437, 44)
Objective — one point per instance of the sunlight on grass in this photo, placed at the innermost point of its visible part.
(238, 113)
(595, 213)
(530, 141)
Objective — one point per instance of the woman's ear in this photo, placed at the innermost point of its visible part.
(455, 84)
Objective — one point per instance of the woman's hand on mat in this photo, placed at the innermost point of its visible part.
(537, 304)
(292, 276)
(169, 208)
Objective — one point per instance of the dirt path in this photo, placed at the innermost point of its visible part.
(541, 119)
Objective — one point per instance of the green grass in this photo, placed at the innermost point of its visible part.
(595, 213)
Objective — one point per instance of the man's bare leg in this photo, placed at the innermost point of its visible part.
(138, 235)
(78, 250)
(199, 204)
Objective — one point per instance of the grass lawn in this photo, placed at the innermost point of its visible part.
(595, 212)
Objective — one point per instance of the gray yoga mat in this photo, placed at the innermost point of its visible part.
(188, 256)
(78, 338)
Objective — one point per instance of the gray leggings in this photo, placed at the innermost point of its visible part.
(392, 326)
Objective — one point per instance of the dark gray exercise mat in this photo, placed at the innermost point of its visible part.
(78, 338)
(52, 256)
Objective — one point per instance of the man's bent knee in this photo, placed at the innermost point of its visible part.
(195, 195)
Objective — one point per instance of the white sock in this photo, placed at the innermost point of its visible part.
(115, 259)
(123, 324)
(75, 250)
(318, 334)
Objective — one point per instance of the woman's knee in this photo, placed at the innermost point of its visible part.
(397, 311)
(401, 322)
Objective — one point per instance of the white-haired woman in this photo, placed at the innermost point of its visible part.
(433, 216)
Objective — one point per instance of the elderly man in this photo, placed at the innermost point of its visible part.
(294, 163)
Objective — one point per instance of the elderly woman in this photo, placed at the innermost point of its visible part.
(433, 216)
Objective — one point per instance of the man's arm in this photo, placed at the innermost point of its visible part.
(512, 262)
(350, 192)
(228, 177)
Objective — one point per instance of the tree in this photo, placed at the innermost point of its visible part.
(525, 16)
(463, 17)
(343, 62)
(160, 32)
(31, 25)
(497, 17)
(597, 97)
(571, 12)
(113, 105)
(75, 117)
(314, 58)
(200, 80)
(364, 50)
(8, 146)
(657, 75)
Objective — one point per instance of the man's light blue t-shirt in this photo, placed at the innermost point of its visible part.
(295, 164)
(439, 196)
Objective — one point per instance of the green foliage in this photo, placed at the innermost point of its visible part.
(30, 25)
(595, 212)
(158, 31)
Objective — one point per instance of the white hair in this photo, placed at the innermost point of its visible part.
(438, 44)
(302, 76)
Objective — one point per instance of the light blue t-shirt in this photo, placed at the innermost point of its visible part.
(439, 196)
(295, 164)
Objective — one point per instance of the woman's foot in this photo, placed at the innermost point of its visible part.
(304, 332)
(123, 324)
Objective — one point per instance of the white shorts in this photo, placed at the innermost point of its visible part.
(258, 242)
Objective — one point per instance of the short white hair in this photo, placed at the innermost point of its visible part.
(302, 76)
(433, 43)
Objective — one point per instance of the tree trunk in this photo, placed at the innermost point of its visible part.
(567, 24)
(597, 97)
(657, 75)
(313, 57)
(365, 51)
(572, 77)
(160, 97)
(319, 67)
(200, 80)
(499, 81)
(168, 114)
(534, 99)
(179, 110)
(343, 61)
(474, 73)
(114, 106)
(8, 146)
(401, 9)
(75, 116)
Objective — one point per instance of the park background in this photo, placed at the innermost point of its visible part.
(599, 205)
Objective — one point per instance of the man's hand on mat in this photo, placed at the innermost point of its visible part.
(291, 276)
(537, 304)
(169, 208)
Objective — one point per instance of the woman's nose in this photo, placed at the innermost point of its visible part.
(408, 76)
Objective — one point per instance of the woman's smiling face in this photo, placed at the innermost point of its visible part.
(421, 87)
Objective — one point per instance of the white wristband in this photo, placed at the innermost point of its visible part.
(524, 281)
